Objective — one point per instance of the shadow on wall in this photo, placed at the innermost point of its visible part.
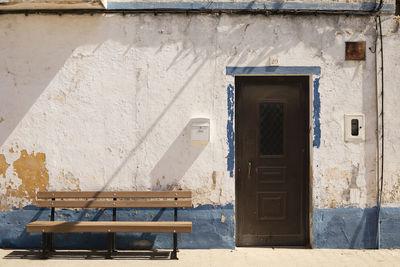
(176, 161)
(28, 75)
(32, 56)
(27, 69)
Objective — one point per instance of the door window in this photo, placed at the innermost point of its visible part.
(271, 128)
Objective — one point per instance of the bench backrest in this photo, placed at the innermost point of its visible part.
(115, 199)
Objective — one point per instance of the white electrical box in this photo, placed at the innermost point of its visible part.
(200, 131)
(354, 127)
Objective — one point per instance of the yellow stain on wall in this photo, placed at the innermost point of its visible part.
(31, 169)
(3, 165)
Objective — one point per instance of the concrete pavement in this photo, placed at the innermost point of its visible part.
(213, 257)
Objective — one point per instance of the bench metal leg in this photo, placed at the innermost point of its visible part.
(110, 246)
(114, 247)
(45, 239)
(50, 242)
(174, 253)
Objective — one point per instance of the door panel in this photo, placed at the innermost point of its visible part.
(271, 160)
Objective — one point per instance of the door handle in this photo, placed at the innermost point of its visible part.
(249, 170)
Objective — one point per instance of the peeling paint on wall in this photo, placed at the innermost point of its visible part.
(391, 190)
(223, 218)
(316, 114)
(214, 180)
(206, 196)
(61, 97)
(229, 128)
(31, 169)
(68, 181)
(337, 181)
(3, 165)
(28, 176)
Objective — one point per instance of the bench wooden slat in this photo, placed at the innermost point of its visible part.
(115, 194)
(107, 226)
(114, 204)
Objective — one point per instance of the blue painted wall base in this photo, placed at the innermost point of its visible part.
(332, 228)
(390, 228)
(355, 228)
(208, 229)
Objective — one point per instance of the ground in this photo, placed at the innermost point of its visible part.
(216, 257)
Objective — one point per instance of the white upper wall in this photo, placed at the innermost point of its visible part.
(391, 195)
(104, 101)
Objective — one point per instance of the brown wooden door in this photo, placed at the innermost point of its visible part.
(271, 160)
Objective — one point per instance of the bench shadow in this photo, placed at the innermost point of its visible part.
(149, 236)
(89, 255)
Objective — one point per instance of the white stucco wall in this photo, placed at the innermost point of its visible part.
(391, 195)
(104, 101)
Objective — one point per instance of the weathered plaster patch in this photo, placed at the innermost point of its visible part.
(316, 114)
(3, 165)
(31, 169)
(229, 127)
(30, 176)
(67, 181)
(223, 218)
(61, 97)
(391, 189)
(336, 181)
(214, 180)
(158, 183)
(206, 195)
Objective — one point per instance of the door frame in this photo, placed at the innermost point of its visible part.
(308, 167)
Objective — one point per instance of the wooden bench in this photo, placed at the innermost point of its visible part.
(114, 200)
